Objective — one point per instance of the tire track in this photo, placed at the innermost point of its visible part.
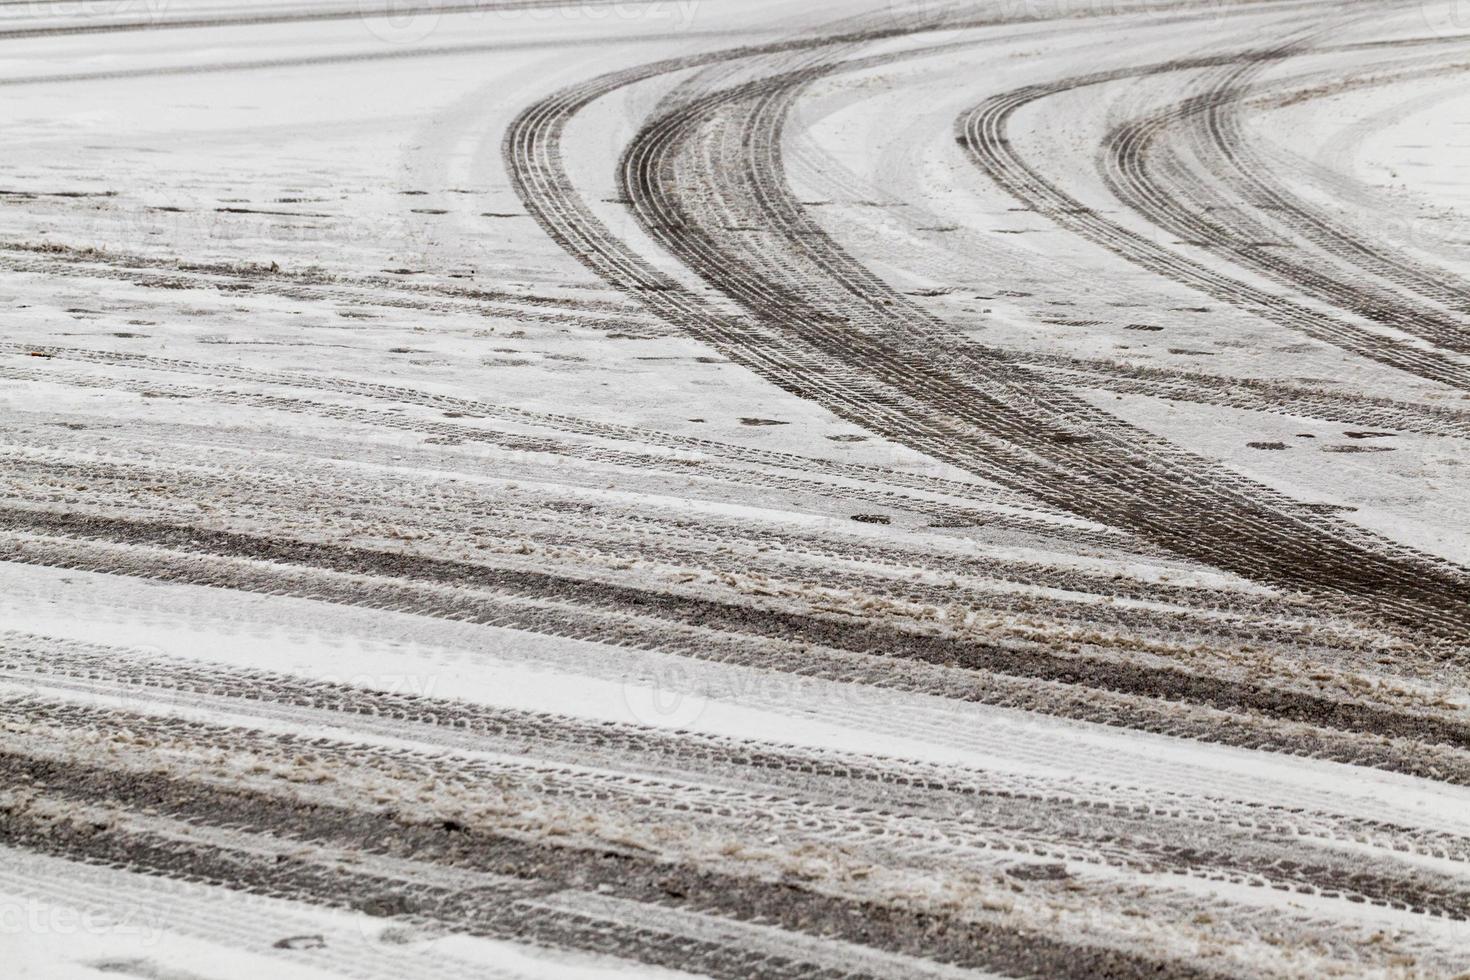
(855, 781)
(530, 910)
(984, 131)
(1133, 178)
(1109, 477)
(1028, 691)
(842, 827)
(417, 585)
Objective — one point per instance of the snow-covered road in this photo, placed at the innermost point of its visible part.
(859, 488)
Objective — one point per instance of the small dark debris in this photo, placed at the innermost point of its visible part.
(1266, 445)
(383, 906)
(60, 193)
(301, 942)
(1039, 872)
(848, 438)
(759, 422)
(275, 214)
(1369, 435)
(872, 519)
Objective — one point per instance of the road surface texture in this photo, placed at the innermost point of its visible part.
(735, 488)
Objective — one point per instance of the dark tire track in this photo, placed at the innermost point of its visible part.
(1106, 474)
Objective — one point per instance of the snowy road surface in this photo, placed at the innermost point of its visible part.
(859, 488)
